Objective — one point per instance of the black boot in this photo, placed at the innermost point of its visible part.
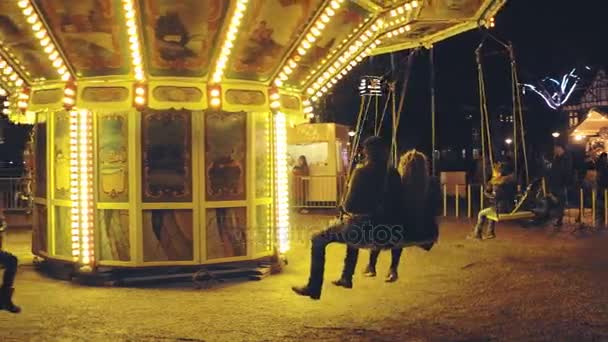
(346, 283)
(306, 291)
(6, 300)
(392, 276)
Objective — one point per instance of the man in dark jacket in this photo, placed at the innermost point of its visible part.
(373, 201)
(9, 262)
(560, 177)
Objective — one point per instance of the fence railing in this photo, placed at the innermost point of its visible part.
(13, 194)
(583, 205)
(317, 191)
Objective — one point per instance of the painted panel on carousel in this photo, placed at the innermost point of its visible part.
(17, 34)
(449, 9)
(226, 232)
(180, 35)
(245, 97)
(40, 179)
(225, 155)
(263, 234)
(39, 230)
(177, 94)
(262, 155)
(63, 231)
(167, 235)
(61, 167)
(114, 243)
(47, 96)
(105, 94)
(270, 28)
(167, 162)
(346, 20)
(290, 102)
(91, 34)
(112, 162)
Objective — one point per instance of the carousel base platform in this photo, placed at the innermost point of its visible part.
(201, 276)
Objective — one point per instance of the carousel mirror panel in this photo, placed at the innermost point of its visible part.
(61, 155)
(263, 154)
(226, 232)
(40, 156)
(167, 235)
(39, 229)
(263, 235)
(114, 242)
(113, 164)
(166, 152)
(63, 232)
(225, 155)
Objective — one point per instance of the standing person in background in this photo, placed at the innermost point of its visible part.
(560, 177)
(601, 167)
(300, 181)
(9, 262)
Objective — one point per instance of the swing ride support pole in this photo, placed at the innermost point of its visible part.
(469, 200)
(481, 115)
(457, 200)
(515, 111)
(445, 200)
(593, 194)
(520, 112)
(581, 205)
(433, 157)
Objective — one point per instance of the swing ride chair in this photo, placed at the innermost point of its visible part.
(518, 129)
(521, 208)
(160, 127)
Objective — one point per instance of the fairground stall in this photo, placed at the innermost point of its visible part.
(323, 149)
(160, 125)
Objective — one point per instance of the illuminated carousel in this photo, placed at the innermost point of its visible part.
(160, 125)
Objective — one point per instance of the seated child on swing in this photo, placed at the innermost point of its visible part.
(501, 190)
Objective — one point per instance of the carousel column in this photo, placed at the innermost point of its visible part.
(81, 185)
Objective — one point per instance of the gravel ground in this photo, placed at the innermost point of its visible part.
(529, 284)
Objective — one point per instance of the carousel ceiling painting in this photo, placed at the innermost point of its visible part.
(302, 47)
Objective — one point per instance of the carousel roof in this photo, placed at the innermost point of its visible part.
(302, 45)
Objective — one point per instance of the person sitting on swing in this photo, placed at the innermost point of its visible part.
(373, 196)
(502, 189)
(421, 198)
(9, 261)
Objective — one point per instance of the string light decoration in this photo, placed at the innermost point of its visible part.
(134, 39)
(139, 95)
(399, 31)
(315, 32)
(492, 23)
(308, 109)
(281, 185)
(401, 14)
(342, 66)
(69, 95)
(81, 187)
(9, 76)
(333, 51)
(23, 98)
(233, 29)
(215, 92)
(275, 97)
(556, 93)
(44, 39)
(16, 61)
(5, 103)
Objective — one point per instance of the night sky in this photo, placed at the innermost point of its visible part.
(550, 37)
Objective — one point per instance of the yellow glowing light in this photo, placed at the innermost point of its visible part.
(282, 192)
(215, 102)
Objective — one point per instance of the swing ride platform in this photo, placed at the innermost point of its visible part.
(160, 127)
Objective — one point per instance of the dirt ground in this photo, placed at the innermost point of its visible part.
(529, 284)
